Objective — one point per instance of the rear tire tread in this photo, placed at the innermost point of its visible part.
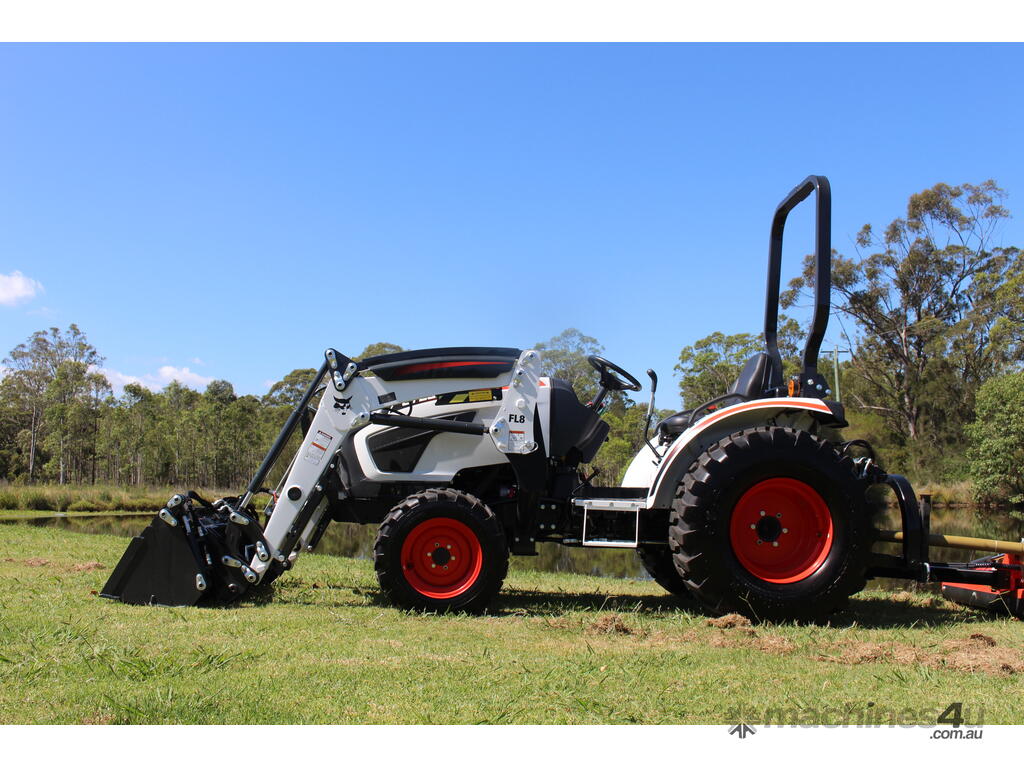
(702, 510)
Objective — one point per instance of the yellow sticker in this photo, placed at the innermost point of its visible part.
(476, 395)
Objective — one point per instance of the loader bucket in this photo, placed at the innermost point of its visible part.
(158, 567)
(190, 554)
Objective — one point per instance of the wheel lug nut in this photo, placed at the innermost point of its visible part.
(433, 565)
(753, 527)
(775, 543)
(449, 546)
(762, 513)
(778, 514)
(785, 530)
(759, 541)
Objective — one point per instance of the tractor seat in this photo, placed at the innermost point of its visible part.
(443, 363)
(754, 380)
(577, 432)
(674, 424)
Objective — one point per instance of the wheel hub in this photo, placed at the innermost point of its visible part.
(768, 528)
(441, 556)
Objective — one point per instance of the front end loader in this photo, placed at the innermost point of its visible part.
(463, 456)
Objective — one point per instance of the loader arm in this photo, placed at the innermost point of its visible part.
(349, 404)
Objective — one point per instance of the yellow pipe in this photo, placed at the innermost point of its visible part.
(960, 542)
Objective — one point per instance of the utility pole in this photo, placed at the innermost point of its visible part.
(835, 375)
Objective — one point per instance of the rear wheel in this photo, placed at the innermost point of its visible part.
(772, 523)
(441, 550)
(657, 561)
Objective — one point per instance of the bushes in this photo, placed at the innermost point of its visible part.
(86, 505)
(34, 500)
(996, 452)
(70, 498)
(8, 500)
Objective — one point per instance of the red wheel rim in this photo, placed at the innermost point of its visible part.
(441, 558)
(781, 530)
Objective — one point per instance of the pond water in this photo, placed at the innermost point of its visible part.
(351, 540)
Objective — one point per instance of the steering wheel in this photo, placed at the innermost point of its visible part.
(607, 370)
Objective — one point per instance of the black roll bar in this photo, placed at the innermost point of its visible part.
(822, 272)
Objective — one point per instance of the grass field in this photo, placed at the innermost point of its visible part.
(557, 649)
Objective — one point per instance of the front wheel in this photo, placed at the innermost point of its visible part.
(441, 550)
(772, 523)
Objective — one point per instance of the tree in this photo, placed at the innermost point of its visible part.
(71, 420)
(996, 441)
(220, 391)
(936, 308)
(380, 348)
(34, 365)
(625, 436)
(14, 427)
(565, 357)
(289, 390)
(710, 365)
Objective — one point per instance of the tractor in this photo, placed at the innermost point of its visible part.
(463, 456)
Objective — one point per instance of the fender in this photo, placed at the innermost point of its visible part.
(799, 412)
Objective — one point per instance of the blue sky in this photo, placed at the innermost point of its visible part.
(235, 209)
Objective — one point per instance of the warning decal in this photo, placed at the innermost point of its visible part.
(471, 396)
(318, 447)
(516, 440)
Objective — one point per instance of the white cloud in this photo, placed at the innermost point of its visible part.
(197, 361)
(164, 376)
(169, 373)
(16, 288)
(118, 380)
